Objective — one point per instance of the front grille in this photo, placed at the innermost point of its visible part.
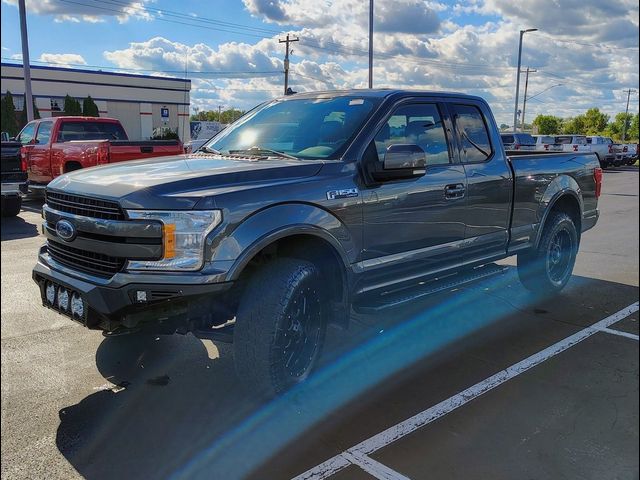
(84, 206)
(90, 262)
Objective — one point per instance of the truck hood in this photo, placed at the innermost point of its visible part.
(181, 181)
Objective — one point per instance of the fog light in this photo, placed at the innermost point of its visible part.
(77, 306)
(141, 296)
(50, 293)
(63, 299)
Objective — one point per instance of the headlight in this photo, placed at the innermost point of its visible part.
(183, 238)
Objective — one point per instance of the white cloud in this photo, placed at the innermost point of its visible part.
(418, 45)
(91, 12)
(63, 59)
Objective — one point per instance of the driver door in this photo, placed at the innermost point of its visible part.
(414, 226)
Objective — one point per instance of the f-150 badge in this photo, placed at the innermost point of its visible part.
(344, 193)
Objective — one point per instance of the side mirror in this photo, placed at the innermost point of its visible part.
(401, 161)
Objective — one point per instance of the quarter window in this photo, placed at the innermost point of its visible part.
(419, 124)
(474, 136)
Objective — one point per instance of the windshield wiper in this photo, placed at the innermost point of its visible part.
(204, 148)
(261, 151)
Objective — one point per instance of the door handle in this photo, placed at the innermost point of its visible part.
(454, 191)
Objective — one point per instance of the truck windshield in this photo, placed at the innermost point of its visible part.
(303, 128)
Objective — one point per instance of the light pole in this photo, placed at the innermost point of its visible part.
(515, 111)
(26, 65)
(370, 43)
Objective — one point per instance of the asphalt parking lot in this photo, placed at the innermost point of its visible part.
(486, 381)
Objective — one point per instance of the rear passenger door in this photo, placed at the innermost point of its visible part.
(489, 181)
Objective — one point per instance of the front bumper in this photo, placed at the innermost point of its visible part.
(13, 189)
(164, 307)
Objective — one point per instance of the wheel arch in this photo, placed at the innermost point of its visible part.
(566, 200)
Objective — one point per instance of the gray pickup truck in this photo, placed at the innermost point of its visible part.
(306, 209)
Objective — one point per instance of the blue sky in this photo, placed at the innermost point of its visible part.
(586, 51)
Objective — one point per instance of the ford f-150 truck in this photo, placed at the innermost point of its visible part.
(310, 207)
(57, 145)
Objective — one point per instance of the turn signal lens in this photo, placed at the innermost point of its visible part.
(169, 239)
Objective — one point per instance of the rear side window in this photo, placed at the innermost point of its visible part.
(419, 124)
(44, 132)
(90, 131)
(508, 139)
(473, 132)
(526, 139)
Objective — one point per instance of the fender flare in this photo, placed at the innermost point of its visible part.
(561, 187)
(279, 221)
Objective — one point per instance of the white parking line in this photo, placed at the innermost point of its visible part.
(621, 333)
(372, 467)
(358, 454)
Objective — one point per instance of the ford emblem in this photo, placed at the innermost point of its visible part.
(66, 230)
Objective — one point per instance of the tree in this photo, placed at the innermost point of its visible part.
(575, 125)
(504, 127)
(89, 108)
(634, 129)
(23, 115)
(548, 124)
(8, 115)
(614, 129)
(595, 121)
(72, 106)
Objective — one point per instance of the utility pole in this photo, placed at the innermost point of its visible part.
(370, 43)
(287, 41)
(515, 111)
(26, 65)
(524, 101)
(626, 112)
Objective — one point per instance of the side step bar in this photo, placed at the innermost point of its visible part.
(222, 333)
(376, 303)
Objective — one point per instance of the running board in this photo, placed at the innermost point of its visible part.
(373, 304)
(223, 334)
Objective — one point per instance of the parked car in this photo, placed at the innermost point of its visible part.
(54, 146)
(573, 143)
(603, 147)
(518, 141)
(631, 156)
(369, 203)
(14, 179)
(547, 143)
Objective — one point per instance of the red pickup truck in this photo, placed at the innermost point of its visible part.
(53, 146)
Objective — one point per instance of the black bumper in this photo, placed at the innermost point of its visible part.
(162, 308)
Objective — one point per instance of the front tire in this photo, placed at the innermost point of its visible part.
(548, 268)
(11, 206)
(280, 326)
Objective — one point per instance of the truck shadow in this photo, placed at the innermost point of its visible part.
(13, 228)
(177, 410)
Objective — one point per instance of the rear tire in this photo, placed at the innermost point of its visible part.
(11, 206)
(280, 326)
(548, 268)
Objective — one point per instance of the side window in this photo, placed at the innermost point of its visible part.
(26, 135)
(419, 124)
(44, 132)
(473, 132)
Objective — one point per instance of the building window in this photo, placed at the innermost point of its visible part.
(55, 105)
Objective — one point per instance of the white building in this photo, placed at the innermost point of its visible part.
(141, 102)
